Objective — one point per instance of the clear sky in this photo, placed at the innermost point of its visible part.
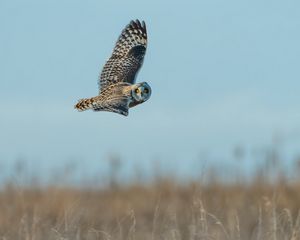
(223, 73)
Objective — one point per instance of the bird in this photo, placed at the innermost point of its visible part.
(117, 88)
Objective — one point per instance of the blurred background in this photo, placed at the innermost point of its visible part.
(214, 154)
(225, 81)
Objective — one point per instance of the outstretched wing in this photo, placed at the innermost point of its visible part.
(117, 104)
(113, 99)
(127, 57)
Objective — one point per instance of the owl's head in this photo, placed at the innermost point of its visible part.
(141, 92)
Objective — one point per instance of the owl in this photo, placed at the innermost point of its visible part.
(117, 88)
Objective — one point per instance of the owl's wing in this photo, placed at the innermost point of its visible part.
(113, 99)
(127, 57)
(117, 105)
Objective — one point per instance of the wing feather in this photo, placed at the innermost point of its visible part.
(115, 98)
(127, 57)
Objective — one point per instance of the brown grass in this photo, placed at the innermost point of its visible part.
(162, 210)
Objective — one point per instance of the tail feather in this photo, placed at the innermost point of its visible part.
(116, 104)
(84, 104)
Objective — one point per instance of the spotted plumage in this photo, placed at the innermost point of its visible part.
(117, 89)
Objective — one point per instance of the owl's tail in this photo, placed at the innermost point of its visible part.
(84, 104)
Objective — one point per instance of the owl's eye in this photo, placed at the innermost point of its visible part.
(137, 90)
(146, 90)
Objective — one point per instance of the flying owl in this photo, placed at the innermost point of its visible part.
(117, 88)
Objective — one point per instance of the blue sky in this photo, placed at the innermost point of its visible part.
(223, 73)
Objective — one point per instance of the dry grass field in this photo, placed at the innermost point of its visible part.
(160, 210)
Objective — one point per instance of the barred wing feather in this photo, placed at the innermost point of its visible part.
(127, 57)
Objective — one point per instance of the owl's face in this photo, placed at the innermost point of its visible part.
(141, 92)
